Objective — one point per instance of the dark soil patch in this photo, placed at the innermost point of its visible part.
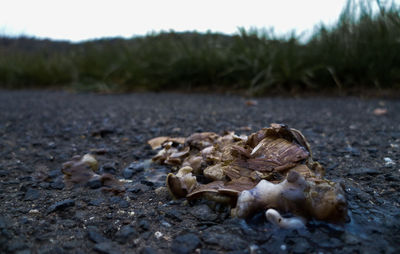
(41, 130)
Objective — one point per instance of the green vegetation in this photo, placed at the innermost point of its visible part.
(360, 51)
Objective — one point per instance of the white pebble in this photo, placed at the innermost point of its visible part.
(158, 234)
(253, 248)
(33, 211)
(166, 224)
(388, 161)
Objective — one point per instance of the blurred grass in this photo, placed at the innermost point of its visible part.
(360, 52)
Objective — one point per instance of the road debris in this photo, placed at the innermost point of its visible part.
(81, 171)
(380, 111)
(269, 169)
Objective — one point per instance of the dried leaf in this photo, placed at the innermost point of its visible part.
(80, 170)
(158, 141)
(215, 172)
(111, 184)
(251, 103)
(202, 140)
(380, 111)
(245, 128)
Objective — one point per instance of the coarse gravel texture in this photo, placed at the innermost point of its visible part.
(40, 130)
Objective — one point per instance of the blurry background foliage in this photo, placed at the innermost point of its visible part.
(360, 52)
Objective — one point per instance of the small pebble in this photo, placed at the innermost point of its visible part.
(148, 250)
(144, 225)
(31, 194)
(61, 205)
(224, 239)
(162, 191)
(301, 245)
(362, 171)
(158, 234)
(70, 245)
(55, 173)
(95, 235)
(94, 183)
(109, 168)
(204, 213)
(166, 224)
(33, 211)
(185, 244)
(147, 182)
(134, 189)
(15, 245)
(115, 199)
(106, 248)
(253, 249)
(127, 173)
(44, 185)
(125, 233)
(68, 223)
(58, 184)
(96, 202)
(123, 204)
(3, 173)
(146, 235)
(389, 162)
(353, 151)
(173, 214)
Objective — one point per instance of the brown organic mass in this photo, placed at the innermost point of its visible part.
(271, 168)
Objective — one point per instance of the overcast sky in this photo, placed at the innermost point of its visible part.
(87, 19)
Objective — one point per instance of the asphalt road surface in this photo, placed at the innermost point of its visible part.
(40, 130)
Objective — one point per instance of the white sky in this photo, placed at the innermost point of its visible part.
(87, 19)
